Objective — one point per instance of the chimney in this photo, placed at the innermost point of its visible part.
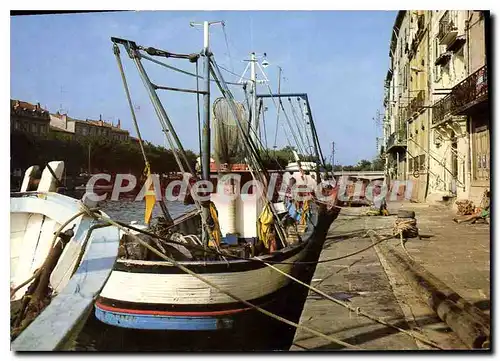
(119, 124)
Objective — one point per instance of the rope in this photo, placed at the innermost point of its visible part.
(358, 311)
(86, 210)
(407, 227)
(256, 259)
(228, 293)
(279, 318)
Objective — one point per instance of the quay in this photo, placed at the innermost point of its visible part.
(457, 254)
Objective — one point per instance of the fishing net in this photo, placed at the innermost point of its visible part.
(228, 142)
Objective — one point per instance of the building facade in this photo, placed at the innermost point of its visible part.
(88, 127)
(28, 117)
(437, 88)
(396, 92)
(416, 111)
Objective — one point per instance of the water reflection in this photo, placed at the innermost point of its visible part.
(128, 210)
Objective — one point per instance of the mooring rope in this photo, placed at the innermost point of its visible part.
(228, 293)
(85, 210)
(355, 309)
(405, 228)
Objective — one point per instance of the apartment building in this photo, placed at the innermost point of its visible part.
(437, 92)
(396, 94)
(27, 117)
(88, 127)
(461, 117)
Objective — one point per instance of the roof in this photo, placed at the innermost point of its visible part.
(22, 105)
(101, 123)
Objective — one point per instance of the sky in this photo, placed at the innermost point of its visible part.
(339, 58)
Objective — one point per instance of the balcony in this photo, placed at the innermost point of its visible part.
(471, 91)
(418, 36)
(417, 102)
(397, 139)
(448, 29)
(441, 109)
(465, 95)
(403, 113)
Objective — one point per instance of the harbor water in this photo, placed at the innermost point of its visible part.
(254, 331)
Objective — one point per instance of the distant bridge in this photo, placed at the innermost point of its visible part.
(370, 175)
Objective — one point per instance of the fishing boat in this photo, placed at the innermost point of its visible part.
(214, 260)
(60, 258)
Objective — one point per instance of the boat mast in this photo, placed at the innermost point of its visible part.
(205, 151)
(253, 81)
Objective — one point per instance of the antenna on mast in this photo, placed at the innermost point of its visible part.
(253, 63)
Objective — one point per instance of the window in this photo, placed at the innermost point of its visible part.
(422, 162)
(17, 125)
(33, 128)
(85, 131)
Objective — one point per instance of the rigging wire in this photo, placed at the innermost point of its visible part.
(227, 45)
(304, 122)
(233, 73)
(278, 115)
(255, 159)
(306, 128)
(264, 121)
(249, 122)
(198, 106)
(297, 123)
(299, 146)
(307, 123)
(277, 107)
(179, 70)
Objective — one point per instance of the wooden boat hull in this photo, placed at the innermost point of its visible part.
(159, 296)
(78, 277)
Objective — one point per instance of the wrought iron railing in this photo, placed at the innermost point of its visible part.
(471, 90)
(404, 113)
(440, 109)
(463, 95)
(446, 25)
(417, 102)
(398, 138)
